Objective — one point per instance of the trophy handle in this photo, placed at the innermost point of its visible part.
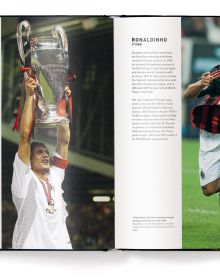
(22, 43)
(60, 33)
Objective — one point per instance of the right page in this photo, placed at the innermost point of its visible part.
(166, 68)
(147, 68)
(200, 130)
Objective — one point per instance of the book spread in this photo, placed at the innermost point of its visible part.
(110, 133)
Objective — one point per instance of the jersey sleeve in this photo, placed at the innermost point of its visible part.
(207, 90)
(21, 177)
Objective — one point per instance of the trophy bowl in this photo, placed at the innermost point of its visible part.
(49, 60)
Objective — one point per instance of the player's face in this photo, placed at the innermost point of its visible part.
(40, 161)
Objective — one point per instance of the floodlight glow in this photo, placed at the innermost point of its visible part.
(101, 198)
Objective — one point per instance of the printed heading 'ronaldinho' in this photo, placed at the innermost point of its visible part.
(149, 39)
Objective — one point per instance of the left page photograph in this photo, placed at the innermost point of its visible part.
(57, 109)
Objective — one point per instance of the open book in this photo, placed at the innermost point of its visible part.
(137, 177)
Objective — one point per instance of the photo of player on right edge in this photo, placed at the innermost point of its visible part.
(200, 132)
(206, 117)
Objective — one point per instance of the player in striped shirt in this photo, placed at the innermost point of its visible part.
(206, 117)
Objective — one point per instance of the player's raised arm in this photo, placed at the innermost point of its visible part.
(194, 89)
(63, 138)
(26, 121)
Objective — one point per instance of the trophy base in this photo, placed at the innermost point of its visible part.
(51, 122)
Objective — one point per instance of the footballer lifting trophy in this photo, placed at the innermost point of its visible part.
(48, 59)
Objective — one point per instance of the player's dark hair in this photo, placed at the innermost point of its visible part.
(36, 144)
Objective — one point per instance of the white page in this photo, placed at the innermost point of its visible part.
(147, 154)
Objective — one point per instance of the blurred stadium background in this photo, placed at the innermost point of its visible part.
(89, 180)
(201, 215)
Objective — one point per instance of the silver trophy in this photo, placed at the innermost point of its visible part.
(48, 57)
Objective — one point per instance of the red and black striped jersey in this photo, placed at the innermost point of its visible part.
(207, 115)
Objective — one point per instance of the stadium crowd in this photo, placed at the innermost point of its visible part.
(202, 27)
